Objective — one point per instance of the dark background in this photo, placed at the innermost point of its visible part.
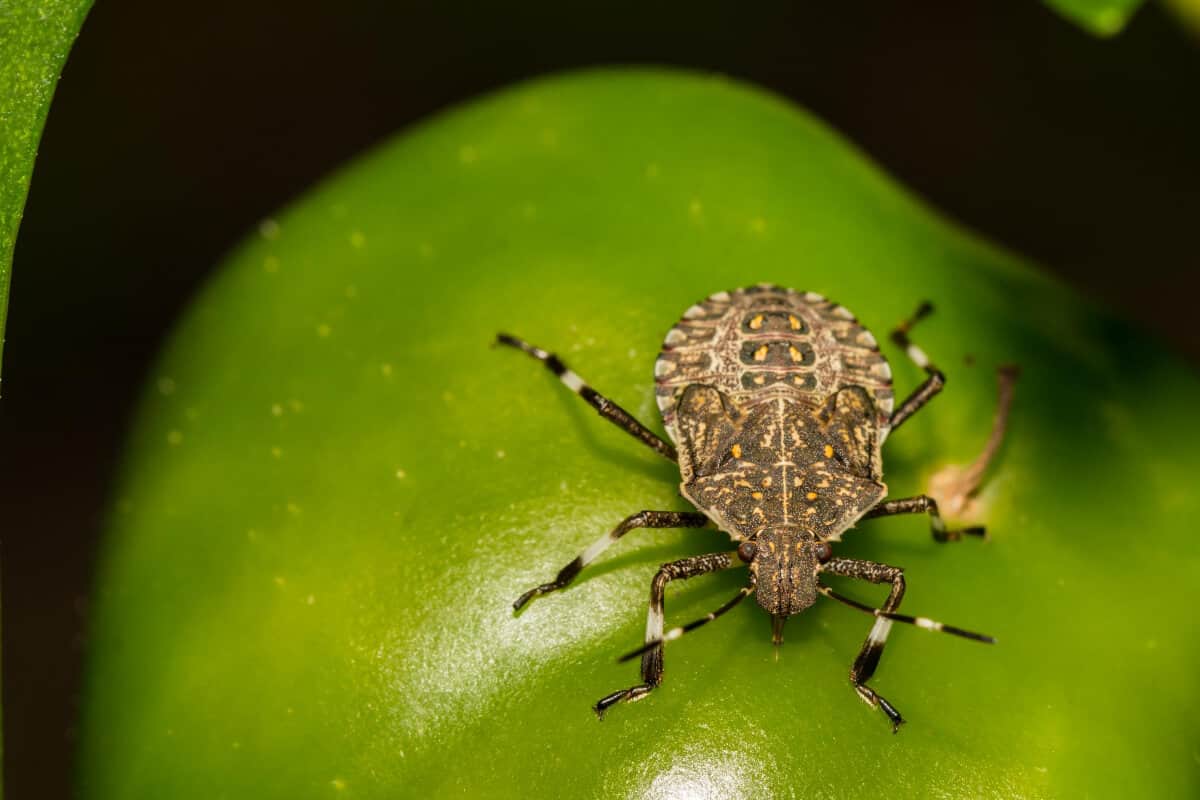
(175, 129)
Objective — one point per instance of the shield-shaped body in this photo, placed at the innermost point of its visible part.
(779, 402)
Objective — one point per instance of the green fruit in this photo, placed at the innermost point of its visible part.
(336, 489)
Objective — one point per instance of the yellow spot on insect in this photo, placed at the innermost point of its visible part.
(757, 495)
(794, 353)
(811, 496)
(757, 322)
(736, 450)
(760, 379)
(828, 451)
(761, 353)
(766, 481)
(794, 322)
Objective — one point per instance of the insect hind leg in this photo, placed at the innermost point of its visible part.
(652, 659)
(605, 407)
(935, 379)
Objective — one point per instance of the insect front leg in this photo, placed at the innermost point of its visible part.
(642, 519)
(652, 660)
(924, 504)
(606, 408)
(868, 658)
(935, 380)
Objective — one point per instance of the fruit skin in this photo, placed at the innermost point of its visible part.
(334, 490)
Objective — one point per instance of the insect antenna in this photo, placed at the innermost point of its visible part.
(675, 633)
(920, 622)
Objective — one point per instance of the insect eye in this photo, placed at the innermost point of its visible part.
(746, 551)
(823, 552)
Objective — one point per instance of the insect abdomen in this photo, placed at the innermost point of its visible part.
(766, 341)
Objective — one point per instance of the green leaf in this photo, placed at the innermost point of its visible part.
(336, 488)
(35, 37)
(1098, 17)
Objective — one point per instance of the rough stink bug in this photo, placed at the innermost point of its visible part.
(779, 403)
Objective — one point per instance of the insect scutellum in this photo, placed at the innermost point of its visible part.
(778, 403)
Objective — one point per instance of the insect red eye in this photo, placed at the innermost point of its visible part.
(824, 552)
(746, 551)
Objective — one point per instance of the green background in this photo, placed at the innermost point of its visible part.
(336, 489)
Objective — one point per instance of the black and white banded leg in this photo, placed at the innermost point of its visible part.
(872, 650)
(935, 380)
(606, 408)
(642, 519)
(868, 658)
(924, 504)
(652, 659)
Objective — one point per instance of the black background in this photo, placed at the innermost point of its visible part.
(176, 127)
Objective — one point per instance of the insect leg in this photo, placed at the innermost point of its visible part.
(923, 504)
(607, 408)
(642, 519)
(935, 380)
(872, 649)
(675, 633)
(652, 660)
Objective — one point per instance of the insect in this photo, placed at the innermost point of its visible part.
(778, 403)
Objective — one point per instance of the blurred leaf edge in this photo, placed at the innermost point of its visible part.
(35, 38)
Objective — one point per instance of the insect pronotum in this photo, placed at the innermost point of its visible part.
(779, 403)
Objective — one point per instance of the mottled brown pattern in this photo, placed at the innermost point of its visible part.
(773, 399)
(782, 477)
(764, 342)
